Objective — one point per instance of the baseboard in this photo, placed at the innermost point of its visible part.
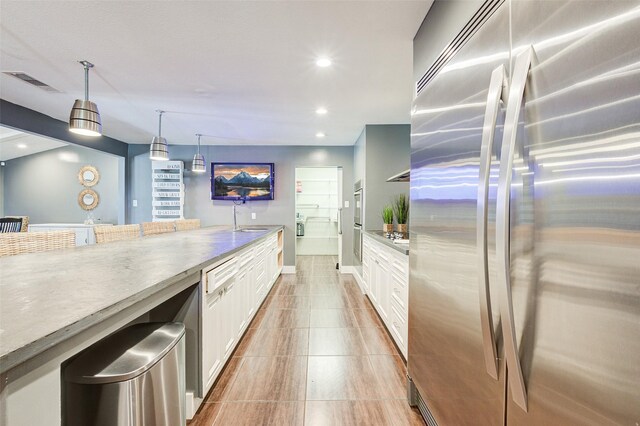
(192, 404)
(358, 280)
(347, 269)
(289, 269)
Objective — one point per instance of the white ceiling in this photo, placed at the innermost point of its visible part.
(242, 71)
(14, 144)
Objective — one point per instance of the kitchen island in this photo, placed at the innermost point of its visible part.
(55, 304)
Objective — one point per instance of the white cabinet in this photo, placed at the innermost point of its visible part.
(232, 291)
(215, 305)
(386, 281)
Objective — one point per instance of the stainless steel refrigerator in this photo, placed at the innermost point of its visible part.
(524, 297)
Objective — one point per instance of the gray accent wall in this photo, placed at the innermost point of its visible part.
(443, 22)
(387, 152)
(280, 211)
(2, 191)
(45, 187)
(359, 157)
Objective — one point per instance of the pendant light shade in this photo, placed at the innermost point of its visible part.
(197, 166)
(85, 117)
(159, 148)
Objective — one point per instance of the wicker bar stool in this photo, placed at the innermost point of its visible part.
(107, 234)
(13, 243)
(155, 228)
(187, 224)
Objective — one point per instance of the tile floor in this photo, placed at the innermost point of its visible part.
(315, 354)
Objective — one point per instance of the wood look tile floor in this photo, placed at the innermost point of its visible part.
(316, 354)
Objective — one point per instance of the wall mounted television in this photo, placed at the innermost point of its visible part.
(242, 181)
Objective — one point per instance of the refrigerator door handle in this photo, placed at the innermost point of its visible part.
(514, 103)
(497, 86)
(340, 221)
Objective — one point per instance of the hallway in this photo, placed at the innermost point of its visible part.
(315, 354)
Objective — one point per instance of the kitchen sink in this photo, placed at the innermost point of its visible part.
(253, 229)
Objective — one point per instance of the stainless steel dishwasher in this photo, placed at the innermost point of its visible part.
(133, 377)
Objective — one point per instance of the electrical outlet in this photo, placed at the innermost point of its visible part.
(346, 204)
(135, 203)
(253, 216)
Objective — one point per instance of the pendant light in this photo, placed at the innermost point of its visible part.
(85, 117)
(159, 147)
(197, 166)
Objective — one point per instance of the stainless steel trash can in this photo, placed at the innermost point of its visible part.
(133, 377)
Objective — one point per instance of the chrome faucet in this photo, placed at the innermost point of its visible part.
(235, 220)
(235, 213)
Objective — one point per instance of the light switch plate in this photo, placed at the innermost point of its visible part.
(253, 215)
(135, 203)
(346, 204)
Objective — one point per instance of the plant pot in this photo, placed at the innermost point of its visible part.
(387, 227)
(402, 228)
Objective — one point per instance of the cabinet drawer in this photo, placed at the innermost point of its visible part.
(245, 257)
(399, 293)
(400, 266)
(219, 275)
(398, 327)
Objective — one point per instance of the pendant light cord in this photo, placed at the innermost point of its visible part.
(86, 82)
(160, 123)
(86, 65)
(198, 135)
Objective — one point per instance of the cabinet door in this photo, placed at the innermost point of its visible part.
(273, 266)
(229, 321)
(249, 292)
(366, 269)
(260, 282)
(238, 295)
(212, 351)
(383, 288)
(373, 280)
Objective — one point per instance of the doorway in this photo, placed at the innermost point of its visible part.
(318, 195)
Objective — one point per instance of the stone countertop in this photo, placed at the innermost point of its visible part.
(379, 236)
(43, 296)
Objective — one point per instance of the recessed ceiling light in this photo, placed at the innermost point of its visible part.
(323, 62)
(21, 146)
(321, 111)
(320, 135)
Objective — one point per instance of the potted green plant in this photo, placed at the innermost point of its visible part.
(401, 211)
(387, 219)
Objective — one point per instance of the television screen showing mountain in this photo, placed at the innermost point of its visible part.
(237, 181)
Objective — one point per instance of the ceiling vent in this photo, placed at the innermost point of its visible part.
(28, 79)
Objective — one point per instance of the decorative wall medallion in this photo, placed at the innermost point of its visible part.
(88, 199)
(88, 176)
